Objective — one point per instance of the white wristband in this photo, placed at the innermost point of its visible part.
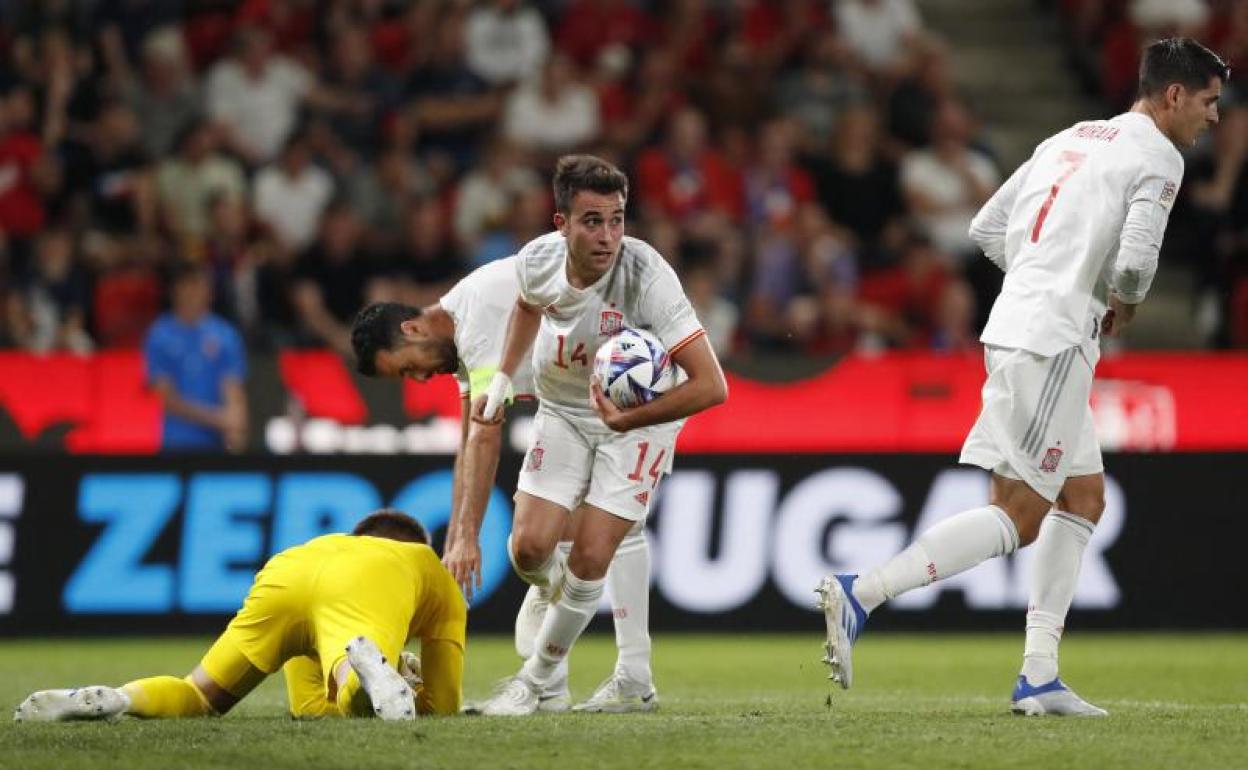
(496, 394)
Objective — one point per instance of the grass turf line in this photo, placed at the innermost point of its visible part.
(751, 701)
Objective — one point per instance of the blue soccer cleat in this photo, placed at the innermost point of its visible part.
(1051, 699)
(845, 618)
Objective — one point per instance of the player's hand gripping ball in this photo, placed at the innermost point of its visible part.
(633, 368)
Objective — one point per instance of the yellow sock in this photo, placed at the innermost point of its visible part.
(351, 699)
(166, 697)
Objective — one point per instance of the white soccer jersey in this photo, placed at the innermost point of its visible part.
(640, 290)
(481, 305)
(1084, 215)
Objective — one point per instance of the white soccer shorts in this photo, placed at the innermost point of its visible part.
(1036, 424)
(574, 459)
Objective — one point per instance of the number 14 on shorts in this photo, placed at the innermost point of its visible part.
(656, 468)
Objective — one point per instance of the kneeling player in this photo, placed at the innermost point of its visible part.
(333, 614)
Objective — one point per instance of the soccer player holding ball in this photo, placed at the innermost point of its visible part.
(1076, 229)
(579, 286)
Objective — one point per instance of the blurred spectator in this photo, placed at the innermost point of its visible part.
(291, 195)
(817, 92)
(879, 32)
(506, 42)
(857, 186)
(946, 184)
(196, 364)
(686, 178)
(124, 24)
(917, 304)
(553, 114)
(775, 186)
(717, 315)
(913, 103)
(486, 192)
(451, 108)
(255, 94)
(113, 176)
(589, 26)
(381, 192)
(356, 97)
(331, 280)
(49, 312)
(26, 175)
(165, 97)
(687, 31)
(231, 256)
(633, 109)
(289, 22)
(429, 261)
(528, 215)
(188, 183)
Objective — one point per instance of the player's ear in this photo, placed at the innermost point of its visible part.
(410, 327)
(561, 222)
(1174, 94)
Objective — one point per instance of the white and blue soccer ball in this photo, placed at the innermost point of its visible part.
(633, 368)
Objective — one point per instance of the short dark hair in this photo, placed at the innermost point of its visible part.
(376, 328)
(574, 173)
(392, 524)
(1179, 60)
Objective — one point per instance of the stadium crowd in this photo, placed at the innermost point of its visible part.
(809, 167)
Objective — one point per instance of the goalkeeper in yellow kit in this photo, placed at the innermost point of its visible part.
(333, 614)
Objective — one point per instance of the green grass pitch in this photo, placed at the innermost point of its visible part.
(748, 701)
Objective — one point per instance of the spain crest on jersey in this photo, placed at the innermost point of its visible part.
(610, 322)
(535, 458)
(1051, 459)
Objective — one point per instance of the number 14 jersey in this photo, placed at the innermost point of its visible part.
(640, 291)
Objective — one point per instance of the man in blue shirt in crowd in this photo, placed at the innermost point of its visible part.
(195, 361)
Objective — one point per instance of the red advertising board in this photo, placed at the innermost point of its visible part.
(899, 402)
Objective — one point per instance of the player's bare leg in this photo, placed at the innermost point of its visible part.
(598, 535)
(1059, 552)
(1011, 520)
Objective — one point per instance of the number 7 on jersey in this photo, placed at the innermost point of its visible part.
(1071, 161)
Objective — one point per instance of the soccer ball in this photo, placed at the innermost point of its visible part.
(633, 368)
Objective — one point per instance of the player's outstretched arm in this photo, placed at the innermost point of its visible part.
(476, 465)
(522, 329)
(706, 387)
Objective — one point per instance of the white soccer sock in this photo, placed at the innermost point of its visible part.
(565, 622)
(1055, 572)
(629, 578)
(951, 546)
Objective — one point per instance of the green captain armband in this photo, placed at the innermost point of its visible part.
(479, 382)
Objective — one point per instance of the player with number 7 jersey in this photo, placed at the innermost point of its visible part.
(579, 286)
(1077, 229)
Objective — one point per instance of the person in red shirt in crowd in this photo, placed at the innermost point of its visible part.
(588, 26)
(686, 177)
(26, 174)
(917, 304)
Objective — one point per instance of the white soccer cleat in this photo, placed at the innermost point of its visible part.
(529, 620)
(388, 691)
(1051, 699)
(619, 695)
(554, 697)
(515, 697)
(95, 702)
(844, 618)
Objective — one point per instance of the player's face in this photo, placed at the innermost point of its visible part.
(1197, 112)
(418, 357)
(594, 229)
